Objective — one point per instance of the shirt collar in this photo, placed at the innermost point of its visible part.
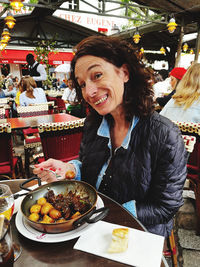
(34, 64)
(103, 131)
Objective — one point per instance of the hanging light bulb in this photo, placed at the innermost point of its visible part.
(9, 20)
(3, 43)
(191, 51)
(185, 47)
(6, 35)
(172, 25)
(142, 50)
(162, 50)
(16, 4)
(136, 37)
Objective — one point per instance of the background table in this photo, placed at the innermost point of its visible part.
(22, 123)
(36, 254)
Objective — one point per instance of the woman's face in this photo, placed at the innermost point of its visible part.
(101, 82)
(173, 82)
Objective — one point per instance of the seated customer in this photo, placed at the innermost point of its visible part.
(2, 94)
(72, 104)
(11, 91)
(20, 90)
(128, 152)
(175, 76)
(32, 94)
(185, 103)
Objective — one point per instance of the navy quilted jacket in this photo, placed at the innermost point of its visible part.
(151, 171)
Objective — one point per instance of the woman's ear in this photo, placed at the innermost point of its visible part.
(125, 70)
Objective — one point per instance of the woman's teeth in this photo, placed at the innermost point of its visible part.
(101, 100)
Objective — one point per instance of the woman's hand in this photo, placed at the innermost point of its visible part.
(65, 170)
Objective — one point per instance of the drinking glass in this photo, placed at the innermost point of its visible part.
(6, 209)
(6, 245)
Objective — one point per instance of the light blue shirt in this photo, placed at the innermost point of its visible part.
(12, 93)
(39, 95)
(104, 131)
(178, 113)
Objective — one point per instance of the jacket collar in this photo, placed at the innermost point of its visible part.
(103, 131)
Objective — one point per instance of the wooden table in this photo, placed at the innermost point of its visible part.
(22, 123)
(37, 254)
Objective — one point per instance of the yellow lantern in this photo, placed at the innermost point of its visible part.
(191, 51)
(162, 50)
(185, 47)
(3, 44)
(142, 50)
(172, 25)
(6, 35)
(136, 37)
(10, 21)
(16, 4)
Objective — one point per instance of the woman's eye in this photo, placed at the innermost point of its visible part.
(82, 85)
(97, 75)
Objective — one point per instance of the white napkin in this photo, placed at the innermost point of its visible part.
(144, 249)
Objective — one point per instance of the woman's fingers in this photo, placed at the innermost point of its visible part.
(47, 176)
(46, 164)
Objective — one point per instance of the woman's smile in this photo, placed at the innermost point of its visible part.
(102, 100)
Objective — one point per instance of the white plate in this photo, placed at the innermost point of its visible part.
(31, 233)
(144, 249)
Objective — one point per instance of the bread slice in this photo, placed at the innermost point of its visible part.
(119, 241)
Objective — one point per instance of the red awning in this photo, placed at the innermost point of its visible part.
(19, 57)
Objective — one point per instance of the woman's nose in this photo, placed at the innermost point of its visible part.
(90, 89)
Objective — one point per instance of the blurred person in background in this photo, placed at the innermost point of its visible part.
(164, 72)
(73, 106)
(20, 90)
(11, 91)
(64, 84)
(36, 70)
(175, 76)
(185, 103)
(2, 94)
(2, 83)
(32, 94)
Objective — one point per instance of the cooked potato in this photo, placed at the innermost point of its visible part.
(41, 201)
(46, 208)
(75, 215)
(55, 214)
(34, 217)
(70, 175)
(35, 208)
(47, 219)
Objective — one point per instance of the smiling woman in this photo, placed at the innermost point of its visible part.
(128, 152)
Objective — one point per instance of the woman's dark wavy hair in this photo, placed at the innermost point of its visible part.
(138, 94)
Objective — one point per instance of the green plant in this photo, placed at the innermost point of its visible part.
(139, 13)
(43, 50)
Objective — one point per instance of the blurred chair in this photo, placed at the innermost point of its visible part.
(58, 102)
(193, 166)
(2, 113)
(60, 105)
(61, 140)
(31, 136)
(10, 165)
(33, 110)
(189, 142)
(4, 100)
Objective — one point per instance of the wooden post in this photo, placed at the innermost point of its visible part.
(197, 45)
(178, 57)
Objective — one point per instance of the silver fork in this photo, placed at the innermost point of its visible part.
(45, 169)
